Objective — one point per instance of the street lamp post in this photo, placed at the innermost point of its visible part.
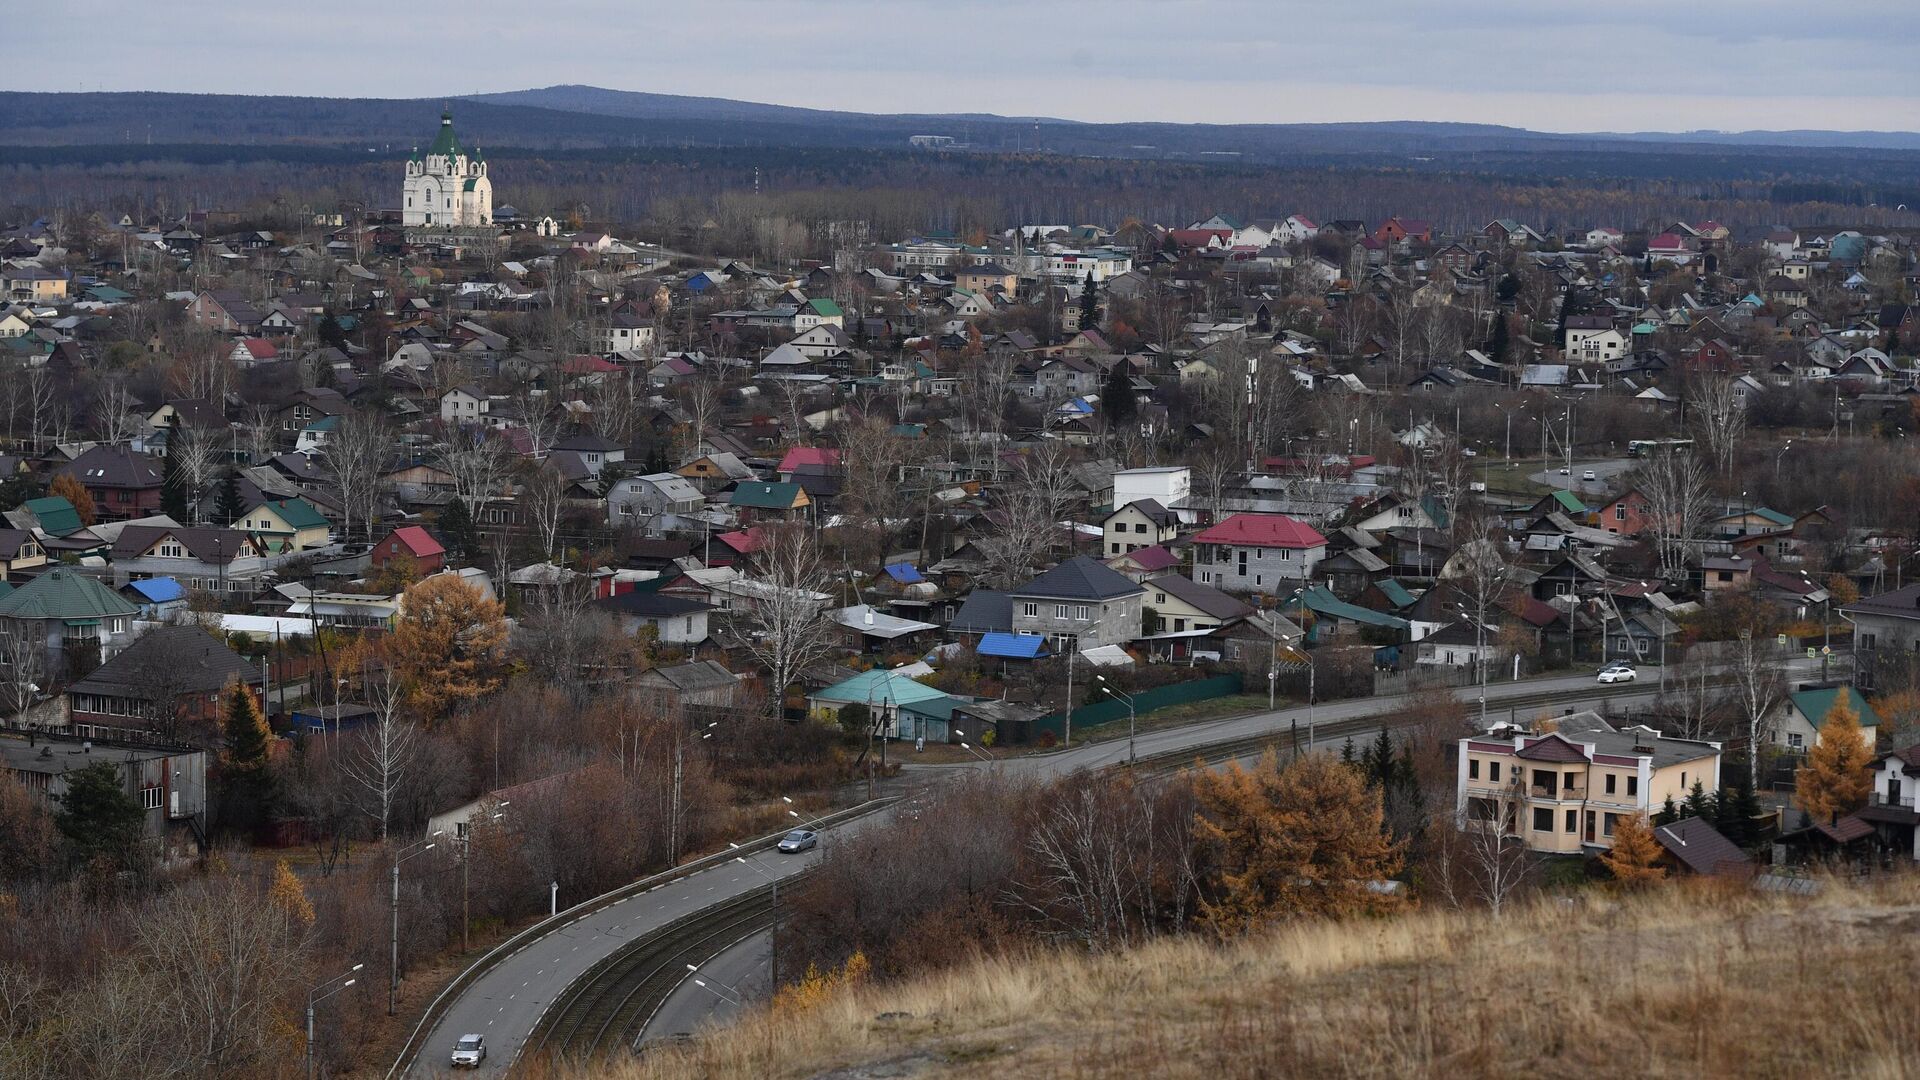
(466, 879)
(315, 996)
(1776, 459)
(400, 855)
(1107, 687)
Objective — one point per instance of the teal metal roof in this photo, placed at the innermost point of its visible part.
(1322, 602)
(1568, 501)
(55, 514)
(1774, 516)
(1815, 704)
(297, 513)
(766, 496)
(63, 593)
(446, 142)
(880, 686)
(1396, 593)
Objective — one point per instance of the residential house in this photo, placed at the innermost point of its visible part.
(635, 500)
(899, 707)
(596, 451)
(1257, 553)
(159, 599)
(1694, 846)
(676, 620)
(284, 525)
(1629, 515)
(1805, 714)
(163, 685)
(1144, 523)
(1567, 790)
(19, 550)
(711, 472)
(1079, 604)
(626, 333)
(465, 404)
(79, 619)
(698, 684)
(866, 629)
(757, 500)
(207, 558)
(1886, 635)
(123, 484)
(1178, 605)
(1891, 807)
(410, 544)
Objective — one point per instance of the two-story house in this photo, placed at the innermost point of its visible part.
(162, 685)
(1592, 339)
(1257, 553)
(1566, 791)
(410, 544)
(123, 484)
(77, 617)
(1178, 605)
(204, 558)
(626, 333)
(464, 405)
(1079, 604)
(634, 500)
(1886, 633)
(284, 525)
(1139, 524)
(1891, 807)
(596, 451)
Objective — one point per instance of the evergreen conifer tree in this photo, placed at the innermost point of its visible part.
(1089, 304)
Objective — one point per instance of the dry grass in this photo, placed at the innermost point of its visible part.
(1704, 979)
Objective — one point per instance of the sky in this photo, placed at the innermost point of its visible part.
(1551, 65)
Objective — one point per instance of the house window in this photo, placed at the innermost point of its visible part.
(1141, 528)
(1573, 820)
(1059, 611)
(1542, 819)
(1633, 786)
(1620, 513)
(1473, 769)
(1031, 611)
(1286, 555)
(1493, 771)
(1607, 823)
(150, 797)
(1795, 740)
(1611, 779)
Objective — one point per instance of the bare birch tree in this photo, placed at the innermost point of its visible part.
(24, 652)
(1719, 414)
(1675, 487)
(114, 416)
(1756, 666)
(788, 632)
(356, 453)
(383, 753)
(543, 497)
(478, 464)
(196, 452)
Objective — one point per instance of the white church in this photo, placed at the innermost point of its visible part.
(446, 186)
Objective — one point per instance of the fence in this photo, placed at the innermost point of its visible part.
(1144, 701)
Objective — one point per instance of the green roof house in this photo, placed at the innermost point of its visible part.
(75, 614)
(56, 515)
(769, 499)
(1806, 715)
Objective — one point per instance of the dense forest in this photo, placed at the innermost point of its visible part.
(898, 193)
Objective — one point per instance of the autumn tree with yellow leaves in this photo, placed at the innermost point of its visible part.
(1837, 777)
(1635, 855)
(1303, 840)
(816, 986)
(449, 645)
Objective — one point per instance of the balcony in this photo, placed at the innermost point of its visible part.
(1896, 802)
(1547, 791)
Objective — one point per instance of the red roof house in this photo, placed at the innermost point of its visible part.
(409, 542)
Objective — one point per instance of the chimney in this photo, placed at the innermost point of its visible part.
(869, 617)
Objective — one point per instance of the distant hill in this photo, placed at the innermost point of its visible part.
(578, 117)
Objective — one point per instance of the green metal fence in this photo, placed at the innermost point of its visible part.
(1145, 701)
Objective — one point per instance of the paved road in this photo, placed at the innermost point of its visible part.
(1603, 469)
(506, 1002)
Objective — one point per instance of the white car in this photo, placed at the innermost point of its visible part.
(1564, 472)
(469, 1052)
(1614, 673)
(1589, 475)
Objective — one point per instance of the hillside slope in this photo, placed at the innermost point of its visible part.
(1700, 980)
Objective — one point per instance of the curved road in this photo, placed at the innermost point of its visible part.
(505, 1003)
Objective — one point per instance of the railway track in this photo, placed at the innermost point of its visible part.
(609, 1007)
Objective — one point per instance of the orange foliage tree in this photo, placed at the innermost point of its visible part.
(449, 646)
(1633, 860)
(71, 490)
(1837, 777)
(1304, 840)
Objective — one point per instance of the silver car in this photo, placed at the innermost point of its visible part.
(798, 840)
(469, 1052)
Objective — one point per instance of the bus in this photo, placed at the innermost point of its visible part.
(1650, 447)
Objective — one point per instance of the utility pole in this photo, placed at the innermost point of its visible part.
(673, 819)
(1072, 648)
